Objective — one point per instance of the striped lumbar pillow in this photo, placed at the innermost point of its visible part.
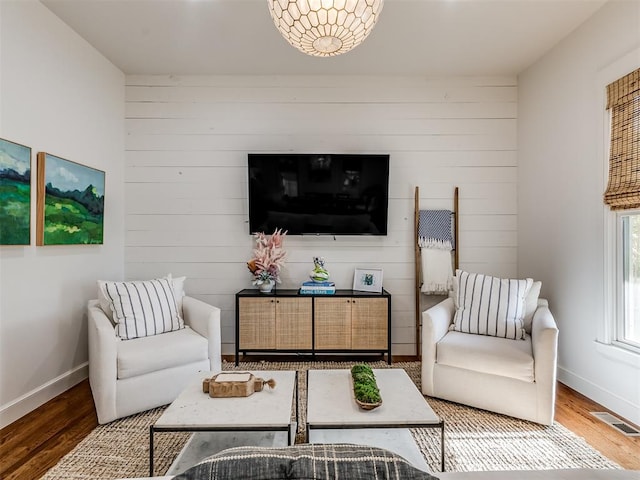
(143, 308)
(490, 306)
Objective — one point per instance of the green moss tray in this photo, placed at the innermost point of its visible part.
(365, 388)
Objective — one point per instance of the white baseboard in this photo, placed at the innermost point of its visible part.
(621, 406)
(28, 402)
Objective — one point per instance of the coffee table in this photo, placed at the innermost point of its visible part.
(195, 411)
(331, 406)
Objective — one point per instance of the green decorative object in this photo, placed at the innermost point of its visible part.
(365, 387)
(319, 273)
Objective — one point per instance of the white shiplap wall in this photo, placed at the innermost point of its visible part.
(186, 175)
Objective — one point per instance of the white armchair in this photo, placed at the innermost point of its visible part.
(512, 377)
(131, 376)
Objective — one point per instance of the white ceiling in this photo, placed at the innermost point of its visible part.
(412, 37)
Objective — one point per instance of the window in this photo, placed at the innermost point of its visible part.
(627, 329)
(622, 195)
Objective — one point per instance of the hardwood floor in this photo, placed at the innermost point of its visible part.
(32, 445)
(572, 411)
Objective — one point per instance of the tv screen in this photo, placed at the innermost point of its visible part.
(332, 194)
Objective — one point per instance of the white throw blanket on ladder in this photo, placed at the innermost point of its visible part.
(437, 272)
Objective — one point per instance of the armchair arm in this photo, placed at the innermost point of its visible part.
(103, 363)
(205, 319)
(544, 340)
(435, 325)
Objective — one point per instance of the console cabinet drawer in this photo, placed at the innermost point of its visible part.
(332, 323)
(369, 326)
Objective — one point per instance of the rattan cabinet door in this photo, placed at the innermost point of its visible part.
(293, 323)
(332, 323)
(257, 323)
(369, 323)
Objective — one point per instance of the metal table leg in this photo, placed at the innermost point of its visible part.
(151, 451)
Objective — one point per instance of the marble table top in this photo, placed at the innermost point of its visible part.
(269, 408)
(330, 401)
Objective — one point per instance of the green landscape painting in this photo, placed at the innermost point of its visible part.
(70, 202)
(15, 193)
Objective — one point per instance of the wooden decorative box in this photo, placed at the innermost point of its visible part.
(234, 384)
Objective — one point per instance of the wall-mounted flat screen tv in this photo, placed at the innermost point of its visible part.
(319, 194)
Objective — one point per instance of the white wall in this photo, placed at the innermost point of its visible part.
(560, 186)
(60, 96)
(186, 175)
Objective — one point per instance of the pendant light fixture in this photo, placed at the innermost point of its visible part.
(325, 28)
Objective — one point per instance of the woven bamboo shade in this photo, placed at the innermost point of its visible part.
(623, 100)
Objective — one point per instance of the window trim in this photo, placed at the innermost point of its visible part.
(613, 319)
(613, 303)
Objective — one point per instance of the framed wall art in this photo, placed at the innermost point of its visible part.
(15, 193)
(367, 280)
(70, 202)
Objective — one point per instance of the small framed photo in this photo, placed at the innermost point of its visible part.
(367, 280)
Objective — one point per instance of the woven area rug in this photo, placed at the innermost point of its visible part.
(475, 439)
